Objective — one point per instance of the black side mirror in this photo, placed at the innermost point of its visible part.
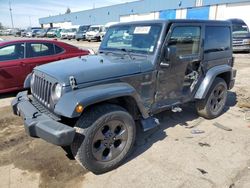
(169, 53)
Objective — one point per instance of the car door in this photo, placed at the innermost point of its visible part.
(182, 51)
(12, 69)
(38, 53)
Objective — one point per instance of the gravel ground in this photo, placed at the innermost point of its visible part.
(169, 156)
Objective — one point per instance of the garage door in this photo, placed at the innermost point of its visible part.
(167, 14)
(198, 13)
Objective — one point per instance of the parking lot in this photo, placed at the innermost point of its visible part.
(172, 155)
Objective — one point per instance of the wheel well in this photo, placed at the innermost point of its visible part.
(225, 76)
(128, 103)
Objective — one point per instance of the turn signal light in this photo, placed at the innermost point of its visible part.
(79, 108)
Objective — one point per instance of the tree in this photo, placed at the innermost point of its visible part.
(68, 11)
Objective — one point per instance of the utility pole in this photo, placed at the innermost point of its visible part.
(11, 15)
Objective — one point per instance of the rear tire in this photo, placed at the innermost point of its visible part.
(105, 136)
(215, 100)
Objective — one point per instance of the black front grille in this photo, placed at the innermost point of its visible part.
(41, 90)
(237, 42)
(44, 110)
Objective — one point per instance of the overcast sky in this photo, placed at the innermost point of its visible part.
(28, 11)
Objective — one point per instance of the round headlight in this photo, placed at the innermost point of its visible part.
(57, 91)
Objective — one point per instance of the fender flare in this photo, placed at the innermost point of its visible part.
(209, 78)
(95, 94)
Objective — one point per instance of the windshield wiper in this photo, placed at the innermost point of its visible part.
(128, 52)
(106, 52)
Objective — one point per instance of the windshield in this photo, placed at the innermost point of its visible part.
(94, 29)
(72, 30)
(52, 30)
(134, 38)
(36, 30)
(83, 28)
(240, 29)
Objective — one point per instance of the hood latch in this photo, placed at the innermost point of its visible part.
(72, 82)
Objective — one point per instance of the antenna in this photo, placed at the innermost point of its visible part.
(11, 15)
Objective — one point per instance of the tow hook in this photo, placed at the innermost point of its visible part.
(35, 115)
(19, 98)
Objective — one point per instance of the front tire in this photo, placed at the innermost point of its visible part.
(215, 100)
(105, 136)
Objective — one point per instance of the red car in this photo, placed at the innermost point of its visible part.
(19, 57)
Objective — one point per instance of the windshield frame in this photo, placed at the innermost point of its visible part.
(133, 51)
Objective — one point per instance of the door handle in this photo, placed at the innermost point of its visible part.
(164, 64)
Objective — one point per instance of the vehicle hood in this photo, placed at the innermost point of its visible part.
(71, 33)
(92, 33)
(93, 68)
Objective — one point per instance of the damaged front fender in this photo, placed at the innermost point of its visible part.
(92, 95)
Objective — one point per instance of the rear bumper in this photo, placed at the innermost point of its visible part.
(40, 125)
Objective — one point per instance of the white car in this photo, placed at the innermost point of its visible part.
(64, 33)
(95, 32)
(71, 33)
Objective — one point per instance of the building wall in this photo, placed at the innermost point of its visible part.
(113, 13)
(156, 9)
(226, 11)
(167, 14)
(198, 13)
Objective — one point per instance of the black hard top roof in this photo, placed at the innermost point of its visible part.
(216, 22)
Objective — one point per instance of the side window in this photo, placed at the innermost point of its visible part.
(40, 49)
(217, 39)
(12, 52)
(186, 40)
(58, 49)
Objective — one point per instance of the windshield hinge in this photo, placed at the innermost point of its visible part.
(72, 82)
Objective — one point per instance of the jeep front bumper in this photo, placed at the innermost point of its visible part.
(40, 125)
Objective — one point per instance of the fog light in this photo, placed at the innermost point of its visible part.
(79, 108)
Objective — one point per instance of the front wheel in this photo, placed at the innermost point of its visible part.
(215, 100)
(104, 138)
